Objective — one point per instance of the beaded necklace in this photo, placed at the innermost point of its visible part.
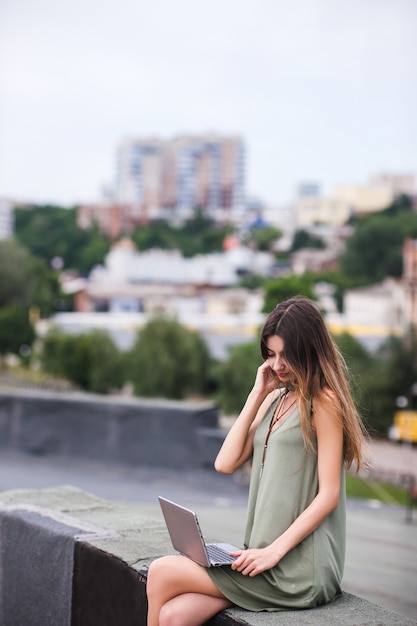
(276, 417)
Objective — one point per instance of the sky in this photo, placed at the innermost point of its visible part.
(320, 90)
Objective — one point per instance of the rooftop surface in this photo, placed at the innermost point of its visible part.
(381, 563)
(126, 535)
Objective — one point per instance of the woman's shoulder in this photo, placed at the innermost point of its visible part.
(326, 399)
(270, 400)
(325, 411)
(274, 395)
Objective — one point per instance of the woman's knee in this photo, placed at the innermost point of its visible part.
(191, 609)
(159, 571)
(156, 566)
(169, 615)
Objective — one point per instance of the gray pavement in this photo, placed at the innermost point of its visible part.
(381, 560)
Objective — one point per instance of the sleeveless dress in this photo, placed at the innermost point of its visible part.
(310, 574)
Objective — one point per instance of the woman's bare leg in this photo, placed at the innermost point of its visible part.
(172, 576)
(191, 609)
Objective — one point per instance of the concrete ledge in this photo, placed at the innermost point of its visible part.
(132, 431)
(95, 550)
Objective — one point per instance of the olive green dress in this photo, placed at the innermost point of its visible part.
(310, 574)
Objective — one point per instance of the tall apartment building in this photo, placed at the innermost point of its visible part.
(170, 178)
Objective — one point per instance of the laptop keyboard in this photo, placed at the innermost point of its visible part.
(217, 554)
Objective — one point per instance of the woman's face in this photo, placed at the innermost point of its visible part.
(276, 359)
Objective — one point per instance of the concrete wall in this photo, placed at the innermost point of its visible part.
(68, 558)
(109, 428)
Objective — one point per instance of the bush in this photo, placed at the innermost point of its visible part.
(394, 374)
(15, 330)
(361, 370)
(91, 360)
(169, 361)
(237, 375)
(280, 289)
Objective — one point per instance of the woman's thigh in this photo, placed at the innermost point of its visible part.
(174, 575)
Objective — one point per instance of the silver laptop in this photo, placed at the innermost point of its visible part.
(187, 538)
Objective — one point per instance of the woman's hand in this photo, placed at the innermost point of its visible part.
(237, 447)
(266, 380)
(255, 560)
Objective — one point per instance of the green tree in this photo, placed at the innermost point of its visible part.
(26, 281)
(374, 251)
(394, 373)
(285, 287)
(52, 232)
(262, 237)
(156, 234)
(251, 281)
(197, 223)
(340, 282)
(360, 365)
(16, 330)
(303, 239)
(90, 360)
(169, 361)
(402, 204)
(197, 235)
(236, 376)
(48, 231)
(201, 235)
(93, 251)
(378, 379)
(53, 351)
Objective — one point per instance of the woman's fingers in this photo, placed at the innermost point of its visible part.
(252, 562)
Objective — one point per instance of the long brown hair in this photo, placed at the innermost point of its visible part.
(317, 364)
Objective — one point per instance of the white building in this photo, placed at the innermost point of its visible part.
(373, 313)
(124, 265)
(6, 219)
(410, 279)
(311, 210)
(201, 292)
(351, 200)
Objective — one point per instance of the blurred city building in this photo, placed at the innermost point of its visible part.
(112, 219)
(373, 313)
(410, 279)
(156, 280)
(347, 201)
(314, 260)
(389, 308)
(321, 259)
(308, 189)
(170, 178)
(202, 292)
(310, 210)
(399, 184)
(124, 264)
(6, 218)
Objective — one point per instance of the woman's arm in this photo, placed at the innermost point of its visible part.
(329, 432)
(237, 446)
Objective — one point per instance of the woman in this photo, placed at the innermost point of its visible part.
(300, 428)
